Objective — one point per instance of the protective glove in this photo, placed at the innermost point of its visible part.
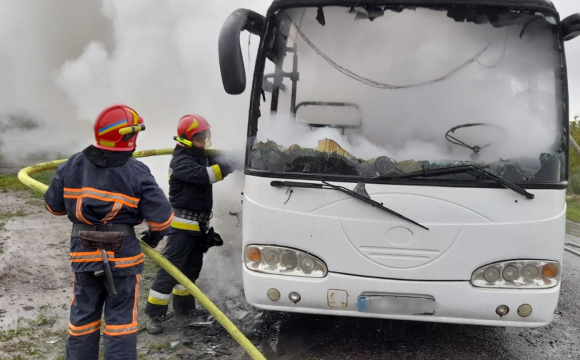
(225, 167)
(212, 239)
(150, 240)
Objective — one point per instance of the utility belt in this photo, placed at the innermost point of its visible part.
(190, 220)
(129, 230)
(106, 237)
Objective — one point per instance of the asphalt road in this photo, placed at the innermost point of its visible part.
(309, 337)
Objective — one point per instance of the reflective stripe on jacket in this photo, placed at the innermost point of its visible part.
(191, 175)
(122, 194)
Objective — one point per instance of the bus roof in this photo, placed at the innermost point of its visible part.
(519, 4)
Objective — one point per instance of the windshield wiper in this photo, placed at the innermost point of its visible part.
(328, 186)
(466, 169)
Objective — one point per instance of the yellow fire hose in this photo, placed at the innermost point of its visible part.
(24, 177)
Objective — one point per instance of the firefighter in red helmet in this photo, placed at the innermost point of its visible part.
(105, 193)
(191, 175)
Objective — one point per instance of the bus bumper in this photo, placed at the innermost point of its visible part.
(455, 301)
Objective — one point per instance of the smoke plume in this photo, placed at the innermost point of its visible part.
(443, 74)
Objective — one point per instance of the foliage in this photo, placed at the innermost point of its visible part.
(574, 165)
(574, 157)
(573, 210)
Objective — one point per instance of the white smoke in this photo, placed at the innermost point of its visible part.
(164, 63)
(508, 85)
(36, 38)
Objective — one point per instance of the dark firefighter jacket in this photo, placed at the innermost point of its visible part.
(99, 187)
(191, 175)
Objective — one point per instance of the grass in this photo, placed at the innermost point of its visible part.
(41, 320)
(163, 345)
(7, 335)
(45, 176)
(11, 182)
(573, 211)
(9, 214)
(34, 201)
(25, 341)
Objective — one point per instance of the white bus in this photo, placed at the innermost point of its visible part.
(405, 159)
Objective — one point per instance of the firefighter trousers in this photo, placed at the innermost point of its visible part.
(184, 250)
(120, 328)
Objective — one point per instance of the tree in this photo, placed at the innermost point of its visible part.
(575, 133)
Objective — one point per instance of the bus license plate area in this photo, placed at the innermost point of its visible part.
(397, 304)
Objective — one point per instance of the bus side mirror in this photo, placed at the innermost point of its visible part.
(230, 52)
(571, 27)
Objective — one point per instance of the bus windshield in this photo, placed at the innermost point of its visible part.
(374, 92)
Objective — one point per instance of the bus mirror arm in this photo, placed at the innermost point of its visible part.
(230, 52)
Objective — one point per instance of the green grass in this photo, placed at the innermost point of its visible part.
(35, 201)
(11, 182)
(163, 345)
(9, 214)
(573, 212)
(41, 319)
(25, 342)
(44, 176)
(7, 335)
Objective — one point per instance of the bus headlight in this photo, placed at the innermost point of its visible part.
(283, 261)
(529, 274)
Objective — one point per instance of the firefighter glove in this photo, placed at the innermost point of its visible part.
(225, 167)
(149, 239)
(212, 239)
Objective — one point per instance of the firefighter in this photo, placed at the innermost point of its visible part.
(191, 175)
(105, 193)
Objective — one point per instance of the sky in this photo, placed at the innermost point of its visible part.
(158, 57)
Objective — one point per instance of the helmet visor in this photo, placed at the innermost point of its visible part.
(202, 139)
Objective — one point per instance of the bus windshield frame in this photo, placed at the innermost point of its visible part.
(267, 51)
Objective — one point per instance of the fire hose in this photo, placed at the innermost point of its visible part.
(24, 177)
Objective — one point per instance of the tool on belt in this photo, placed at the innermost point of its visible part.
(104, 238)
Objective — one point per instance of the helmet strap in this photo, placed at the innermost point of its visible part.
(183, 141)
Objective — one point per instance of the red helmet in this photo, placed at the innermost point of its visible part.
(190, 125)
(116, 128)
